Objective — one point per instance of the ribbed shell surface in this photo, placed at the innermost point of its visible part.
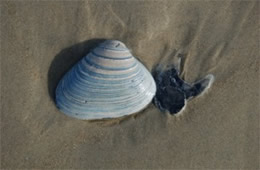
(107, 83)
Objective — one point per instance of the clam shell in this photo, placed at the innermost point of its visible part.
(107, 83)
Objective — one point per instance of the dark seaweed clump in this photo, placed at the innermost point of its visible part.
(169, 96)
(172, 91)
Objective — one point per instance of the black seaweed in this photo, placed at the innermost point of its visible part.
(172, 91)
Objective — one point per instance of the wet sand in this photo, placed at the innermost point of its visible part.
(40, 41)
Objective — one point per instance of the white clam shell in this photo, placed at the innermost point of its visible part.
(107, 83)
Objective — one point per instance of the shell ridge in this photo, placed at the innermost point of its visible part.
(110, 58)
(87, 71)
(91, 63)
(88, 74)
(114, 49)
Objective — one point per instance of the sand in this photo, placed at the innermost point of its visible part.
(40, 41)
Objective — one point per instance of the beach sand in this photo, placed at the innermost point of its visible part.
(40, 41)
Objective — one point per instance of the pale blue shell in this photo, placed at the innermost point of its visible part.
(107, 83)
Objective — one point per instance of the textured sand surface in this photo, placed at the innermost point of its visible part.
(40, 41)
